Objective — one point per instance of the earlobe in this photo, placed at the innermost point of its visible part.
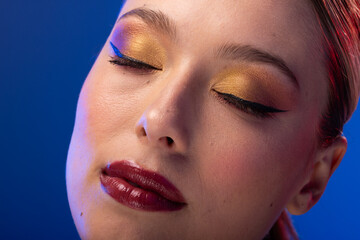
(326, 162)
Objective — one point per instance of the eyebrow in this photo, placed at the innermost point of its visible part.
(156, 19)
(249, 53)
(159, 20)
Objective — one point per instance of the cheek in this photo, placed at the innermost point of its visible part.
(105, 106)
(256, 166)
(244, 169)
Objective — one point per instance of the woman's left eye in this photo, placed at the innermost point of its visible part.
(123, 60)
(253, 108)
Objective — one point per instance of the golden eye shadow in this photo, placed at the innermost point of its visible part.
(239, 84)
(139, 44)
(254, 84)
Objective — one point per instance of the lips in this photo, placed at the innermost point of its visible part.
(140, 189)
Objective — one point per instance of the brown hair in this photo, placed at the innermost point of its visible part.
(340, 23)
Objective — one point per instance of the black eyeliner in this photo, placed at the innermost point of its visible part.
(256, 108)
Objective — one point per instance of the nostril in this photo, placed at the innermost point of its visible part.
(167, 141)
(170, 141)
(142, 132)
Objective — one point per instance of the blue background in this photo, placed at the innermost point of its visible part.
(47, 49)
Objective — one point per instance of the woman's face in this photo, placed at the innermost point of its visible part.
(223, 100)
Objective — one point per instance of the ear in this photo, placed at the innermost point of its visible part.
(326, 161)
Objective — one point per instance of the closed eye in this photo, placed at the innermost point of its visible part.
(123, 60)
(256, 109)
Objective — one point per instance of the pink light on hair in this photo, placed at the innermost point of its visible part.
(340, 23)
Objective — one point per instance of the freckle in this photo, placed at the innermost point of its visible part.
(271, 204)
(81, 214)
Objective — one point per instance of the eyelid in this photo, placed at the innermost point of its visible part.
(138, 62)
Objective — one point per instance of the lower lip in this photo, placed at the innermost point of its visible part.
(135, 197)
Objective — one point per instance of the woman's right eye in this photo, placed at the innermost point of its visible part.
(123, 60)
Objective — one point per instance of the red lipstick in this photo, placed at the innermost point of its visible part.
(141, 189)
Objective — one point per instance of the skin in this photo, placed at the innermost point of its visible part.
(237, 171)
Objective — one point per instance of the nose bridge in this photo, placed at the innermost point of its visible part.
(175, 97)
(169, 115)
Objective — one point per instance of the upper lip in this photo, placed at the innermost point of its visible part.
(145, 179)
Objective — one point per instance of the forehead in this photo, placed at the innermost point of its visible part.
(286, 28)
(230, 19)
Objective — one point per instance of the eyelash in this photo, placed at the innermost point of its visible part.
(248, 107)
(253, 108)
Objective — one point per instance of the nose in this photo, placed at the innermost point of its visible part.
(168, 119)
